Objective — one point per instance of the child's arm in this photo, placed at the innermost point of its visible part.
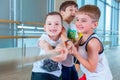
(64, 35)
(47, 47)
(61, 48)
(44, 45)
(93, 49)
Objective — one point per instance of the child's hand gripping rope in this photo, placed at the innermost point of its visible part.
(69, 43)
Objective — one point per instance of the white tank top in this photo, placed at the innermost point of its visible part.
(102, 71)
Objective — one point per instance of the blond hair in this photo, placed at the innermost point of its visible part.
(91, 10)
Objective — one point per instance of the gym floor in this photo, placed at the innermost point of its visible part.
(25, 72)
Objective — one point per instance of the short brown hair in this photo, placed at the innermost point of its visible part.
(65, 4)
(91, 10)
(54, 13)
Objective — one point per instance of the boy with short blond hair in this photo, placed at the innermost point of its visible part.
(90, 53)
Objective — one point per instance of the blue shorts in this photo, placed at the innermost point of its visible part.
(69, 73)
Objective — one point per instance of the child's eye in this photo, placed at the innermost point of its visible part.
(83, 21)
(49, 23)
(71, 9)
(56, 24)
(77, 19)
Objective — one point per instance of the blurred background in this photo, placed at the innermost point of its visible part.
(21, 24)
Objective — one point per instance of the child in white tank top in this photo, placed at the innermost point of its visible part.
(90, 53)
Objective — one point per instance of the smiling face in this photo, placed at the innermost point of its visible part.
(53, 25)
(85, 24)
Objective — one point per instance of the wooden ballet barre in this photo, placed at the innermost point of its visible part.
(9, 21)
(33, 23)
(17, 22)
(7, 37)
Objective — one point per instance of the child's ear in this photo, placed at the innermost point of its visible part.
(95, 24)
(62, 13)
(44, 27)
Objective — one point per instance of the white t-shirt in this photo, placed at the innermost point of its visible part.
(71, 32)
(37, 66)
(102, 71)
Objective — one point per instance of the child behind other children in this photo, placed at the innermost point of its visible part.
(90, 53)
(68, 10)
(50, 69)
